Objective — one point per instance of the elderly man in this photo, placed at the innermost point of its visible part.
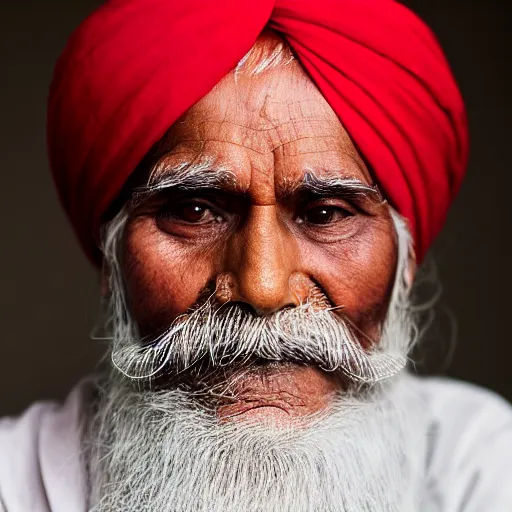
(257, 183)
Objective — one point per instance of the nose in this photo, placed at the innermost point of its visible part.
(261, 258)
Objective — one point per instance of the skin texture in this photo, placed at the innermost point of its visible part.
(259, 241)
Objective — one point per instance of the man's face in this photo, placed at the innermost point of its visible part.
(291, 216)
(255, 274)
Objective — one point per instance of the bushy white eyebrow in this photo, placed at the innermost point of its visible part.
(332, 186)
(186, 176)
(206, 174)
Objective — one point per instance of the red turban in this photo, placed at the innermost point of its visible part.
(135, 66)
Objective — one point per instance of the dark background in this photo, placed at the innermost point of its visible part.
(49, 299)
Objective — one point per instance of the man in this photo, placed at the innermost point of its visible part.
(257, 184)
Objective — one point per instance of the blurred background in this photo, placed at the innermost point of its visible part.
(50, 298)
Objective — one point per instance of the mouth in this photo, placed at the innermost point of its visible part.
(262, 412)
(277, 391)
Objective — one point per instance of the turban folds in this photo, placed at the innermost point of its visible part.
(135, 66)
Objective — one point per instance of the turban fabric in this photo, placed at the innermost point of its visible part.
(135, 66)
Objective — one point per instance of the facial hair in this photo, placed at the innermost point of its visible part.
(165, 450)
(161, 451)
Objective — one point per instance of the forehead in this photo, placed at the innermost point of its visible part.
(276, 123)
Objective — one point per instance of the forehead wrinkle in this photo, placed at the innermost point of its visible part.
(272, 148)
(281, 146)
(237, 144)
(293, 121)
(251, 137)
(311, 137)
(252, 128)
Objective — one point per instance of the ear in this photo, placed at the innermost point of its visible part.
(403, 237)
(412, 267)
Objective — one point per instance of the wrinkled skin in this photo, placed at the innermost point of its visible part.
(260, 241)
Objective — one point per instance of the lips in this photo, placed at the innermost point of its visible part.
(278, 391)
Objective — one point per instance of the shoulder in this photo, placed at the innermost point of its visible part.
(40, 460)
(19, 458)
(468, 418)
(468, 399)
(460, 408)
(469, 440)
(23, 427)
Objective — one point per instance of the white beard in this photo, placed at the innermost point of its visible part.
(165, 451)
(160, 451)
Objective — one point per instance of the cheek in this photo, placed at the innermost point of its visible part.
(163, 278)
(358, 273)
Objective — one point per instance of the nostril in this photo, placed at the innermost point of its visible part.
(270, 311)
(308, 290)
(244, 307)
(250, 310)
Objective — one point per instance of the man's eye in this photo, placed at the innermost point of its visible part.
(324, 214)
(194, 213)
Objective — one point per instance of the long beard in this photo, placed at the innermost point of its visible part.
(160, 448)
(161, 451)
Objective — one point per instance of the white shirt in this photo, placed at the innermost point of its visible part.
(468, 458)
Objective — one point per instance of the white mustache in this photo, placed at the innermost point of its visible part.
(229, 334)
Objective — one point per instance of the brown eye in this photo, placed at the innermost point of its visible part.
(324, 214)
(193, 213)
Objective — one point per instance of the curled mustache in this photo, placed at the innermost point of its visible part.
(230, 334)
